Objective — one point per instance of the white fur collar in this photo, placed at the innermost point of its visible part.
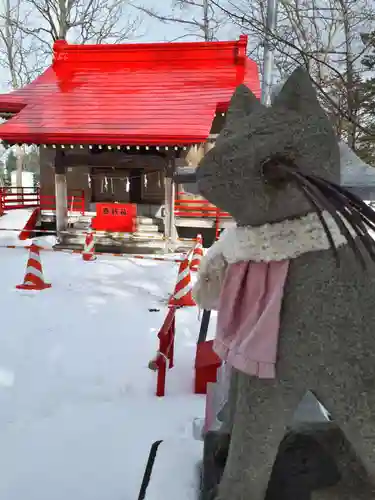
(279, 241)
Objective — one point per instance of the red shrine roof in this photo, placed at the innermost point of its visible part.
(144, 94)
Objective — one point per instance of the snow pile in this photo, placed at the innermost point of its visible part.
(175, 458)
(78, 413)
(16, 219)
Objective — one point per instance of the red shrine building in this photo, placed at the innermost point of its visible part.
(113, 122)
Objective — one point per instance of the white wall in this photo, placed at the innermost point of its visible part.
(27, 181)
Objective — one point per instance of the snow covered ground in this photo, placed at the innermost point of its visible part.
(77, 407)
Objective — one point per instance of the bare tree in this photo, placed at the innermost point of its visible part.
(18, 54)
(198, 18)
(323, 35)
(30, 27)
(19, 58)
(330, 30)
(78, 21)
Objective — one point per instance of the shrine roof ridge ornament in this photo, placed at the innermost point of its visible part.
(113, 148)
(105, 147)
(226, 51)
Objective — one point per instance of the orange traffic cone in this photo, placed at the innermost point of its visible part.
(197, 254)
(33, 279)
(88, 253)
(182, 293)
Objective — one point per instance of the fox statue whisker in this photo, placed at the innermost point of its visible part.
(324, 203)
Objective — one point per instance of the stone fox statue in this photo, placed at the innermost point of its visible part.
(293, 283)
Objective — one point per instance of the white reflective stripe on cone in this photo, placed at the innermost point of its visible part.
(182, 293)
(35, 272)
(34, 256)
(183, 274)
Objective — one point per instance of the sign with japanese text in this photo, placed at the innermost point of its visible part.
(116, 212)
(115, 217)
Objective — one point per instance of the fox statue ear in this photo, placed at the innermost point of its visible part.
(242, 104)
(298, 94)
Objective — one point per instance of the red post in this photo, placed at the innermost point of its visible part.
(83, 205)
(162, 362)
(162, 372)
(166, 350)
(172, 330)
(217, 223)
(37, 192)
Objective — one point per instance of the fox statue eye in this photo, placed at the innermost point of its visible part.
(271, 174)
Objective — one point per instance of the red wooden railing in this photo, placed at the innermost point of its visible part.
(76, 201)
(14, 198)
(200, 209)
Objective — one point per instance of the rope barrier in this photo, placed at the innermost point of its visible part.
(128, 236)
(106, 254)
(47, 231)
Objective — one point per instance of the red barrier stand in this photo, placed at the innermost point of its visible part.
(207, 363)
(26, 232)
(165, 355)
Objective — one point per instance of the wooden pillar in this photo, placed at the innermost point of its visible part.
(61, 194)
(170, 232)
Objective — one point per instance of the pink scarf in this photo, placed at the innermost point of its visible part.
(248, 319)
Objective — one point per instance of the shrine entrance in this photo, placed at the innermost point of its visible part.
(127, 185)
(110, 185)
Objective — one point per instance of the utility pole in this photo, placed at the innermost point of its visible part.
(206, 21)
(19, 168)
(268, 57)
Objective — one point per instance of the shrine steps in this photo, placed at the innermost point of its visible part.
(148, 239)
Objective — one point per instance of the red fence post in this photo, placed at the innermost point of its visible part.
(172, 330)
(165, 356)
(162, 366)
(217, 223)
(160, 384)
(83, 204)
